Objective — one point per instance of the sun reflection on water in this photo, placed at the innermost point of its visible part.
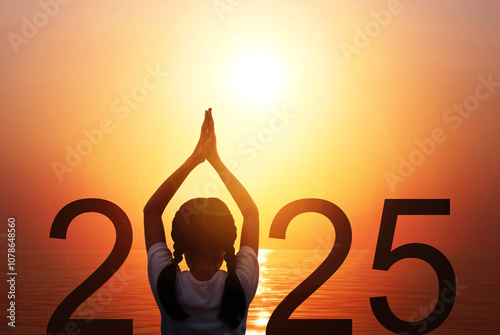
(260, 311)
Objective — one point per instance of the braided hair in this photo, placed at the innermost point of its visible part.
(204, 227)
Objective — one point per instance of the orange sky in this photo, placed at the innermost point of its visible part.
(350, 108)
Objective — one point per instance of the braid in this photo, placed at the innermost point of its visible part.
(166, 286)
(178, 252)
(230, 259)
(233, 299)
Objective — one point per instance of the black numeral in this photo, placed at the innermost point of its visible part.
(60, 322)
(280, 322)
(385, 257)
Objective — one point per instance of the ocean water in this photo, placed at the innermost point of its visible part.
(45, 278)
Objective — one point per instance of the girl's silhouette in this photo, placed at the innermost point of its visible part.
(205, 299)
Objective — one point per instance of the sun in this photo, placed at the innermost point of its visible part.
(257, 77)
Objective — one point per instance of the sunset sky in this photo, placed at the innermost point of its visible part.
(348, 101)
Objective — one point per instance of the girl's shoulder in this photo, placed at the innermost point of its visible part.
(247, 256)
(247, 250)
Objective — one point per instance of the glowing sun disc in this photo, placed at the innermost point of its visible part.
(257, 77)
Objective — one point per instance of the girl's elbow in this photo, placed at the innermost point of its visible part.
(251, 212)
(149, 210)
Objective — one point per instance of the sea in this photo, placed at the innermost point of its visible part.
(45, 278)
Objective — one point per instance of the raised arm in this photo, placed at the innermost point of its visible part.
(153, 225)
(250, 230)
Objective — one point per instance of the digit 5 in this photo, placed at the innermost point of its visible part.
(385, 258)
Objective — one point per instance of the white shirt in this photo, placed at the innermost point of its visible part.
(202, 300)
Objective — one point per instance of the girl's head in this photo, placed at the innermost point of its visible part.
(203, 228)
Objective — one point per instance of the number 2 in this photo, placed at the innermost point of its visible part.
(279, 323)
(60, 322)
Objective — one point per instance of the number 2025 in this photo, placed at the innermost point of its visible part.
(280, 322)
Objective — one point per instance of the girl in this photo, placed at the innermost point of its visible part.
(205, 299)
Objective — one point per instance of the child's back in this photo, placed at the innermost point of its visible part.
(201, 300)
